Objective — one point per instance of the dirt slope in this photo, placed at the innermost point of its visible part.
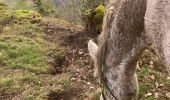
(68, 74)
(74, 39)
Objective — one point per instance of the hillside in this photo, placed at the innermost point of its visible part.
(45, 58)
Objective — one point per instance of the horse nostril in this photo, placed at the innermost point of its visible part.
(131, 94)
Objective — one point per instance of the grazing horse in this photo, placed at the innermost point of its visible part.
(129, 27)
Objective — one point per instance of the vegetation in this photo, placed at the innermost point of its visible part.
(30, 46)
(45, 7)
(5, 14)
(24, 55)
(94, 18)
(84, 12)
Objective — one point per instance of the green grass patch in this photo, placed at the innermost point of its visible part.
(150, 98)
(26, 14)
(7, 82)
(24, 55)
(63, 81)
(22, 44)
(144, 88)
(19, 52)
(148, 78)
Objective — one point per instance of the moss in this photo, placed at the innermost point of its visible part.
(26, 15)
(5, 15)
(96, 13)
(100, 10)
(95, 16)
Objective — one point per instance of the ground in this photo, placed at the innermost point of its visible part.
(47, 59)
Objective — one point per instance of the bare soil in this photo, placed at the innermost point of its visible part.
(77, 61)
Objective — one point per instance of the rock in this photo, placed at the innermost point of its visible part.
(156, 85)
(91, 87)
(73, 79)
(161, 85)
(81, 52)
(156, 95)
(84, 77)
(148, 94)
(150, 66)
(152, 77)
(168, 78)
(168, 94)
(77, 74)
(151, 62)
(137, 66)
(86, 61)
(88, 83)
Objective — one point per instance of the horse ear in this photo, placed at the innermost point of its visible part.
(92, 47)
